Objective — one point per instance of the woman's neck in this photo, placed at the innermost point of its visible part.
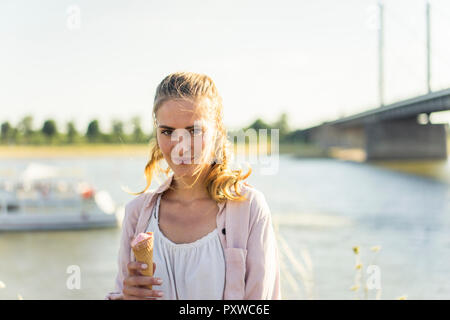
(183, 192)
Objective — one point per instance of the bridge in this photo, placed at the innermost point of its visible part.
(401, 130)
(389, 132)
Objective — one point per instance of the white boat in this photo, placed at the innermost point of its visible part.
(41, 200)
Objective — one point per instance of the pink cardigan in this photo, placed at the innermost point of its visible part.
(250, 248)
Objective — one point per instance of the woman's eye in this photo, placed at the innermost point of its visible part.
(195, 132)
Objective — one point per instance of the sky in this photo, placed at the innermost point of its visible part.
(315, 60)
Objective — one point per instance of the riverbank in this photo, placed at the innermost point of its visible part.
(71, 151)
(116, 150)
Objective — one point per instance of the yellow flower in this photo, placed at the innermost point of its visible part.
(358, 266)
(356, 249)
(402, 297)
(375, 248)
(355, 287)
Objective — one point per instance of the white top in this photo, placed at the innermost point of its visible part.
(193, 270)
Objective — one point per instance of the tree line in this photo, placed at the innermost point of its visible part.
(49, 133)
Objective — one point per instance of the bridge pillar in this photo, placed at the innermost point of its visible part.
(405, 139)
(331, 136)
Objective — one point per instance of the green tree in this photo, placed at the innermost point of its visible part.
(282, 125)
(6, 131)
(72, 133)
(117, 131)
(138, 135)
(93, 133)
(49, 130)
(25, 128)
(259, 124)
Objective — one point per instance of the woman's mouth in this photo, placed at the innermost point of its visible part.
(184, 160)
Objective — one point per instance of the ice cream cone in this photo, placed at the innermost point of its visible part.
(143, 252)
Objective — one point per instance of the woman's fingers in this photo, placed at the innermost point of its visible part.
(128, 297)
(141, 281)
(141, 292)
(135, 267)
(137, 298)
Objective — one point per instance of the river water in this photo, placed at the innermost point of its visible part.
(321, 208)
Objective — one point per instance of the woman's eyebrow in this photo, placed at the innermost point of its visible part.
(167, 127)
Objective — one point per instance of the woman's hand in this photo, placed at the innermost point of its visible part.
(135, 284)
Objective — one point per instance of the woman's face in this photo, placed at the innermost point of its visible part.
(184, 135)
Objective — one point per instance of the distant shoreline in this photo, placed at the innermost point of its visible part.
(88, 150)
(94, 150)
(297, 150)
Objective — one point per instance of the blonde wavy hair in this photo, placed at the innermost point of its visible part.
(221, 182)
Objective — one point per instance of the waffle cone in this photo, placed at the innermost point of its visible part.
(143, 252)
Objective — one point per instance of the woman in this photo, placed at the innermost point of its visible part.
(213, 232)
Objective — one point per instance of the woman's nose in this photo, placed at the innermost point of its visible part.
(184, 146)
(184, 151)
(182, 140)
